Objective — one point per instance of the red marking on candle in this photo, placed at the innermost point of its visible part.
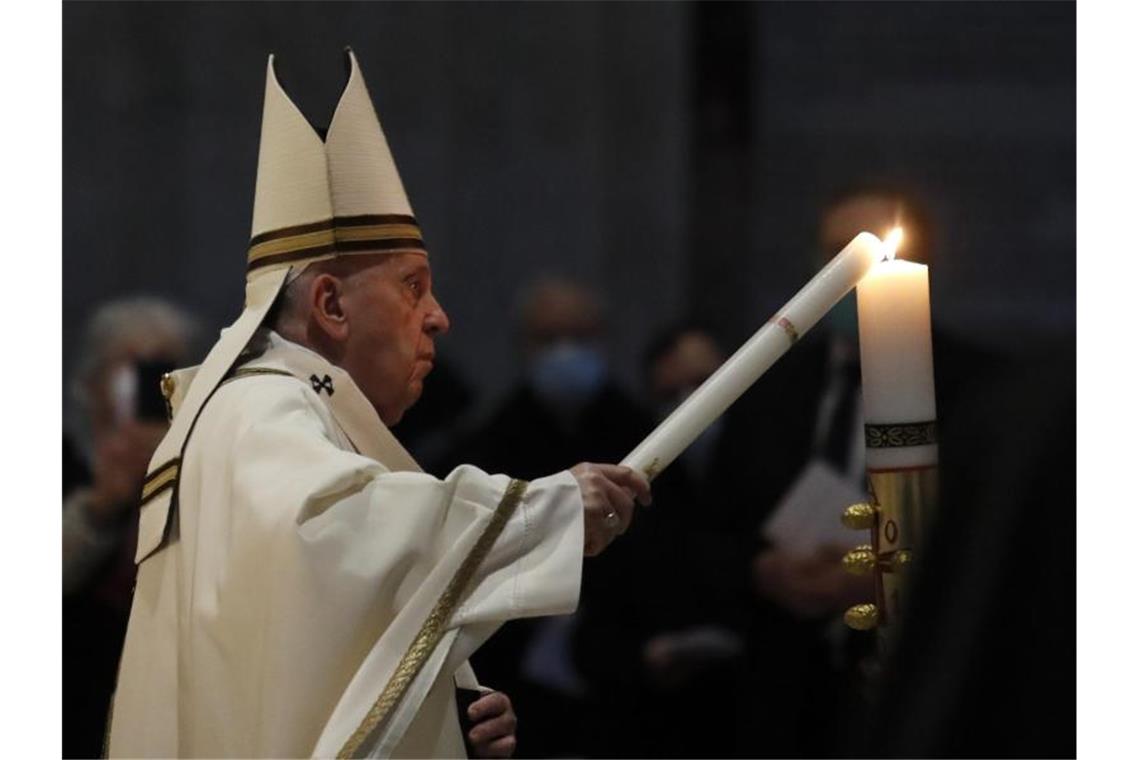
(789, 328)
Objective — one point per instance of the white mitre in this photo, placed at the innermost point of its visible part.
(315, 199)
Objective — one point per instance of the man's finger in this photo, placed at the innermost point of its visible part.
(621, 502)
(488, 706)
(631, 479)
(599, 538)
(504, 747)
(496, 728)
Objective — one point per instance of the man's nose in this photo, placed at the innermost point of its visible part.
(437, 322)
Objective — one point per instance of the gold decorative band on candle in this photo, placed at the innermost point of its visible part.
(366, 233)
(790, 329)
(899, 435)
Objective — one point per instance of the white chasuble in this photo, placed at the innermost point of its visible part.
(316, 594)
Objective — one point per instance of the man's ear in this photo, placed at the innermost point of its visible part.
(326, 301)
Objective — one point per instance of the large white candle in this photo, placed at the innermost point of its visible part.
(898, 368)
(753, 359)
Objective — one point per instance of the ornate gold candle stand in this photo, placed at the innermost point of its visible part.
(903, 500)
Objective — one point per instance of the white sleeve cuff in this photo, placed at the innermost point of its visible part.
(550, 576)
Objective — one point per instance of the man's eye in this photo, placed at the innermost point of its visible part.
(416, 287)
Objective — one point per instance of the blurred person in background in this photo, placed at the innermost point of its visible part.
(661, 641)
(117, 417)
(809, 661)
(566, 406)
(801, 656)
(798, 569)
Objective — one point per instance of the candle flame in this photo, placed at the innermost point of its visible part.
(891, 243)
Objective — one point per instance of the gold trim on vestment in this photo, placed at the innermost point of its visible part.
(160, 479)
(435, 625)
(253, 371)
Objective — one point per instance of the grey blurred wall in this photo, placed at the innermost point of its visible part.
(530, 138)
(673, 155)
(970, 105)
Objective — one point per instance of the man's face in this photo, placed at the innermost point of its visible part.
(392, 318)
(691, 360)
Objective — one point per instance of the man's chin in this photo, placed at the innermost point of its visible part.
(395, 412)
(415, 390)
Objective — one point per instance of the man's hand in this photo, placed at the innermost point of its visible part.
(809, 586)
(495, 723)
(608, 494)
(673, 659)
(121, 458)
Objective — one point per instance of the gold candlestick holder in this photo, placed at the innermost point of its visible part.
(902, 502)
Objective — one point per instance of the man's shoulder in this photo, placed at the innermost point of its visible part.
(254, 394)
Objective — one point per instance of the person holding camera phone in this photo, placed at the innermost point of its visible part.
(118, 416)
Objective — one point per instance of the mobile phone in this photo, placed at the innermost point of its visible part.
(150, 404)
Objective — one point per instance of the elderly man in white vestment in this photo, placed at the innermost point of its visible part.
(303, 588)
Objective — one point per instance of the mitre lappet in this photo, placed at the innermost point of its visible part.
(315, 199)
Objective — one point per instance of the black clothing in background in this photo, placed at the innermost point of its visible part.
(94, 626)
(525, 439)
(986, 661)
(75, 471)
(428, 430)
(685, 562)
(801, 675)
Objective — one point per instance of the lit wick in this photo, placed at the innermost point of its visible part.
(892, 242)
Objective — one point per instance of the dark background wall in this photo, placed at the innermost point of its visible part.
(673, 155)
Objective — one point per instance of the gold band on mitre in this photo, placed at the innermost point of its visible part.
(366, 233)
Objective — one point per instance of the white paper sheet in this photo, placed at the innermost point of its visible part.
(808, 514)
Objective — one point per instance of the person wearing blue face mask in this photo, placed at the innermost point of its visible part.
(797, 585)
(568, 374)
(565, 406)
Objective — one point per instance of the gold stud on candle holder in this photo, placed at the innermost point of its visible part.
(860, 560)
(899, 560)
(859, 516)
(862, 617)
